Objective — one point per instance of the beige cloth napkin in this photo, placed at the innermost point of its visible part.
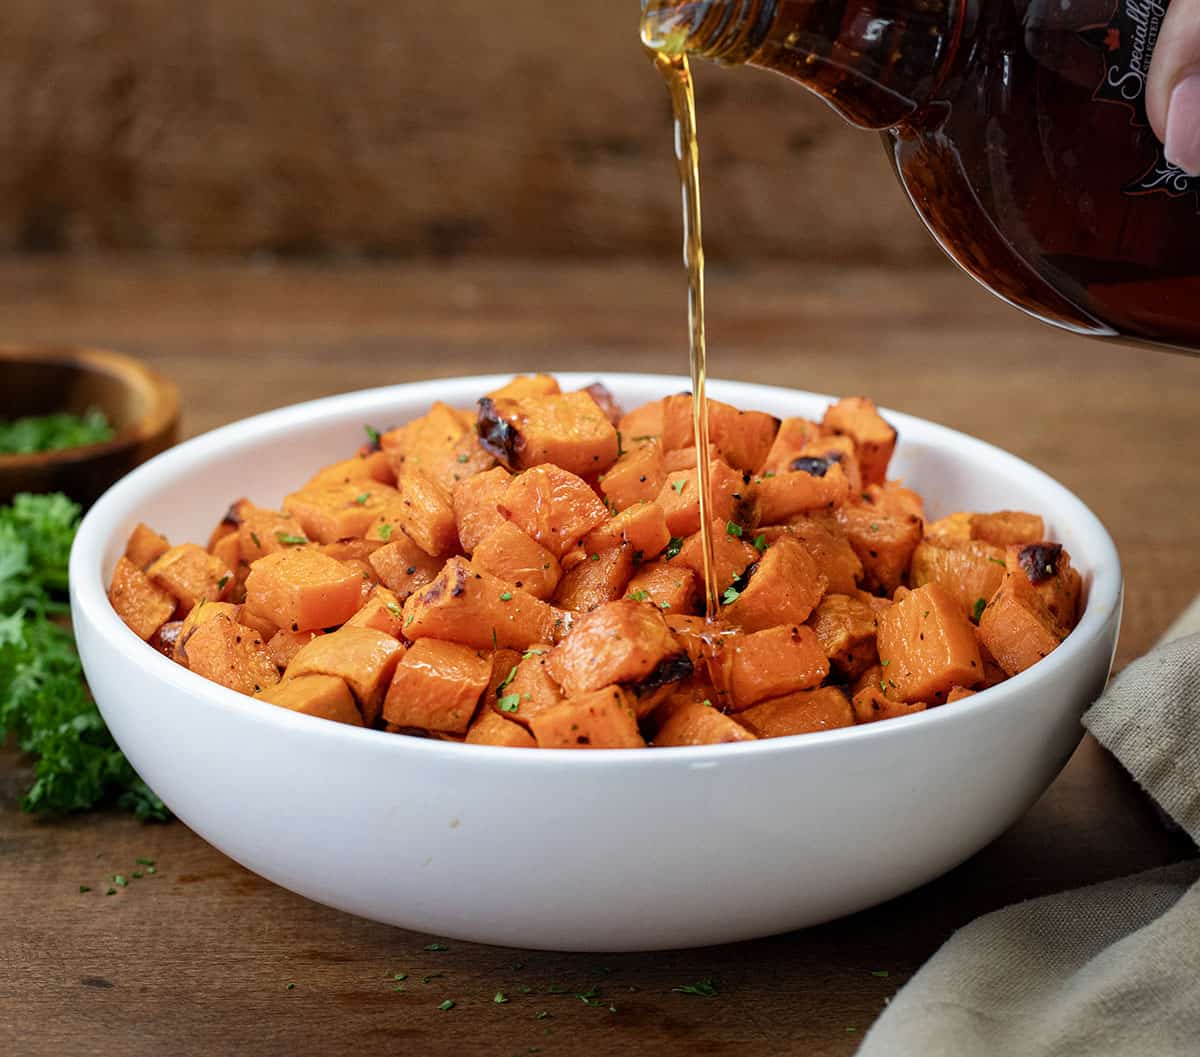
(1112, 970)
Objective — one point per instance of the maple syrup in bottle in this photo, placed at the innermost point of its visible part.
(1016, 127)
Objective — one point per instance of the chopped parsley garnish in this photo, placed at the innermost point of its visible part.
(119, 880)
(54, 432)
(704, 988)
(732, 528)
(257, 543)
(500, 998)
(760, 542)
(532, 652)
(222, 582)
(643, 437)
(884, 664)
(399, 976)
(84, 888)
(505, 596)
(362, 497)
(664, 605)
(980, 606)
(463, 458)
(731, 595)
(436, 947)
(447, 1005)
(999, 561)
(372, 435)
(678, 485)
(290, 987)
(509, 702)
(637, 596)
(111, 892)
(674, 547)
(394, 609)
(385, 531)
(595, 557)
(880, 972)
(290, 539)
(541, 1014)
(508, 678)
(620, 445)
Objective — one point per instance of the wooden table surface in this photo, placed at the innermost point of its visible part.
(202, 955)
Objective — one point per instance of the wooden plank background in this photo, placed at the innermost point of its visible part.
(398, 127)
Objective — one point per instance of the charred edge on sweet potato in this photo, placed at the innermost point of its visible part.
(1039, 561)
(233, 516)
(497, 437)
(671, 669)
(814, 465)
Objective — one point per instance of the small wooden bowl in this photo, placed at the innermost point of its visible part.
(142, 406)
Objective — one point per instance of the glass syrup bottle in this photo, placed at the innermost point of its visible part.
(1017, 128)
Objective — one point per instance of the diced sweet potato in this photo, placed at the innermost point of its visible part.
(504, 670)
(165, 638)
(475, 502)
(953, 528)
(145, 546)
(285, 644)
(350, 550)
(442, 444)
(231, 654)
(527, 385)
(489, 728)
(1016, 627)
(518, 559)
(804, 712)
(476, 609)
(783, 496)
(363, 657)
(324, 696)
(671, 587)
(642, 423)
(339, 511)
(643, 527)
(871, 705)
(1047, 566)
(958, 693)
(685, 458)
(382, 611)
(732, 555)
(228, 525)
(302, 589)
(858, 418)
(970, 572)
(680, 499)
(743, 437)
(1006, 527)
(553, 506)
(845, 627)
(567, 429)
(699, 639)
(893, 498)
(636, 477)
(824, 539)
(530, 689)
(792, 438)
(883, 542)
(142, 604)
(203, 612)
(603, 576)
(425, 513)
(605, 401)
(771, 663)
(402, 566)
(621, 642)
(927, 645)
(697, 723)
(602, 719)
(365, 466)
(437, 686)
(784, 588)
(263, 532)
(228, 551)
(192, 575)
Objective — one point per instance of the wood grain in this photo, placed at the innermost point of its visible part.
(198, 957)
(393, 127)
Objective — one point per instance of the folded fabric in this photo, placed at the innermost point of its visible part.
(1112, 970)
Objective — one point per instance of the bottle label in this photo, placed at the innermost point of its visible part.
(1127, 42)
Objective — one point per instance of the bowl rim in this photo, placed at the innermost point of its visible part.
(90, 605)
(129, 371)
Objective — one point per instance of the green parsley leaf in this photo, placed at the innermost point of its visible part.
(150, 870)
(385, 531)
(399, 976)
(506, 596)
(372, 435)
(290, 987)
(731, 595)
(704, 988)
(508, 678)
(509, 702)
(880, 972)
(637, 596)
(760, 542)
(532, 652)
(137, 875)
(447, 1005)
(362, 498)
(884, 664)
(222, 582)
(980, 606)
(500, 998)
(119, 880)
(257, 542)
(674, 547)
(998, 561)
(732, 528)
(664, 605)
(84, 888)
(678, 485)
(290, 539)
(111, 892)
(541, 1014)
(595, 557)
(436, 947)
(141, 860)
(620, 445)
(463, 458)
(394, 609)
(54, 432)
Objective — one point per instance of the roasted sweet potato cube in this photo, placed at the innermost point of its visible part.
(732, 555)
(680, 499)
(567, 429)
(743, 437)
(953, 528)
(285, 644)
(871, 705)
(475, 501)
(783, 496)
(824, 539)
(1016, 627)
(363, 657)
(804, 712)
(203, 612)
(820, 454)
(791, 439)
(636, 477)
(142, 604)
(324, 696)
(643, 527)
(605, 401)
(227, 526)
(437, 686)
(165, 638)
(442, 444)
(402, 566)
(771, 663)
(696, 637)
(883, 542)
(927, 645)
(672, 587)
(685, 458)
(504, 670)
(1005, 527)
(228, 551)
(339, 511)
(473, 608)
(527, 385)
(302, 589)
(552, 505)
(490, 728)
(698, 723)
(620, 642)
(970, 572)
(858, 418)
(784, 587)
(518, 559)
(602, 719)
(893, 498)
(382, 611)
(231, 654)
(845, 626)
(425, 513)
(603, 576)
(192, 575)
(145, 546)
(642, 423)
(529, 689)
(1047, 566)
(262, 532)
(958, 693)
(365, 466)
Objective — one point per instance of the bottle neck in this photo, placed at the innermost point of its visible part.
(874, 61)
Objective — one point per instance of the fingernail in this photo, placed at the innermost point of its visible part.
(1182, 143)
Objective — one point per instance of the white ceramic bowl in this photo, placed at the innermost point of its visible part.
(602, 851)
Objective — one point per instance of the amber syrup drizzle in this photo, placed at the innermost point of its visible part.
(678, 77)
